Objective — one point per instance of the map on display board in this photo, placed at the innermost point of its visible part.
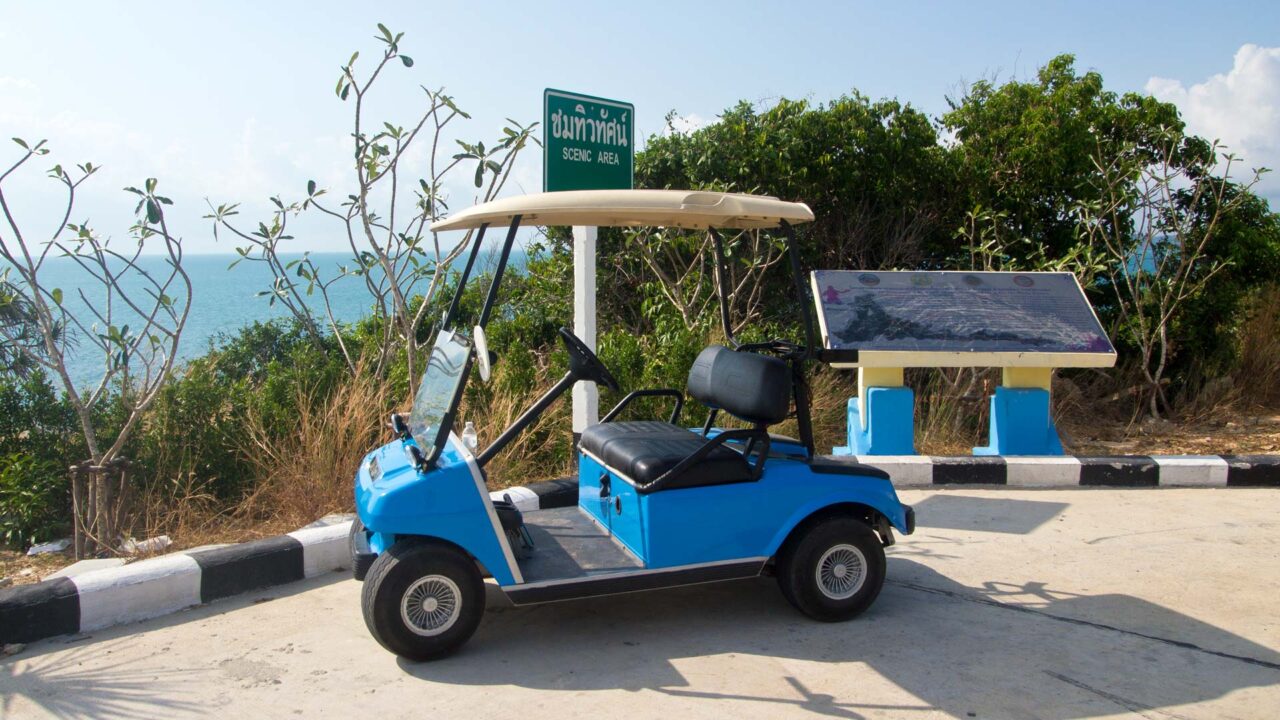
(996, 313)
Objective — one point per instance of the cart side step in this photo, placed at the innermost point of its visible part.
(633, 581)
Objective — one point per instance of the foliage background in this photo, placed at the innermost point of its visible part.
(265, 429)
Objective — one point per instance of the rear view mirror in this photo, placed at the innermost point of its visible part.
(399, 426)
(482, 353)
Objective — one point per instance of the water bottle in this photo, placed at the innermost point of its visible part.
(469, 437)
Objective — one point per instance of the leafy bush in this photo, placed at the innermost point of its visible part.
(880, 184)
(35, 505)
(37, 422)
(38, 441)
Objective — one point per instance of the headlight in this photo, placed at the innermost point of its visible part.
(417, 460)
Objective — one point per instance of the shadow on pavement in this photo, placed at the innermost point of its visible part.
(996, 650)
(78, 684)
(999, 515)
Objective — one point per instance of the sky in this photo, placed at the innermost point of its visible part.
(234, 102)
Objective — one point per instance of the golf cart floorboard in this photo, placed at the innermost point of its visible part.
(567, 543)
(574, 557)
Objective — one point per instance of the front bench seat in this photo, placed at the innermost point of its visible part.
(644, 451)
(753, 387)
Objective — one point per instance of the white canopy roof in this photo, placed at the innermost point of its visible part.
(635, 208)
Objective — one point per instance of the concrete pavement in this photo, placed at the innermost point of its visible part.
(1005, 603)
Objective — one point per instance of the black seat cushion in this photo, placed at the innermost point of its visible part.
(644, 451)
(596, 437)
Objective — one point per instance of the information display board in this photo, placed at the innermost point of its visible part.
(959, 319)
(588, 143)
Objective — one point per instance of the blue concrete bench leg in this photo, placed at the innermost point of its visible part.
(1021, 424)
(890, 426)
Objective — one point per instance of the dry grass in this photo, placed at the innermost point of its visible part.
(1253, 387)
(185, 511)
(24, 570)
(948, 421)
(951, 408)
(307, 472)
(1259, 371)
(542, 451)
(1210, 398)
(303, 474)
(829, 392)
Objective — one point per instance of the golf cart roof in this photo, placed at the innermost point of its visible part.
(693, 209)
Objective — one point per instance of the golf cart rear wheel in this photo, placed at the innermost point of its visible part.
(834, 570)
(422, 600)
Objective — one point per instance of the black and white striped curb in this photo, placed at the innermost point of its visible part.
(1078, 471)
(1011, 471)
(541, 495)
(162, 585)
(907, 471)
(158, 586)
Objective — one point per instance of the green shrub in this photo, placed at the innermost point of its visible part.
(34, 500)
(37, 422)
(38, 441)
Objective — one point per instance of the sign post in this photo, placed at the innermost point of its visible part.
(588, 144)
(586, 396)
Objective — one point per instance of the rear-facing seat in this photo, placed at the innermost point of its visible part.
(753, 387)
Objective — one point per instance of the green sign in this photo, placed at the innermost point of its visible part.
(588, 142)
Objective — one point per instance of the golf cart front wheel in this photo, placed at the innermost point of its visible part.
(422, 600)
(834, 570)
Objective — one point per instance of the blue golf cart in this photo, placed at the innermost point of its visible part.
(659, 504)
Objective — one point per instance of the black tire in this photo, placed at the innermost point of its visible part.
(843, 543)
(436, 572)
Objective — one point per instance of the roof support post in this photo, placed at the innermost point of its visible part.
(722, 286)
(497, 273)
(462, 279)
(797, 278)
(586, 397)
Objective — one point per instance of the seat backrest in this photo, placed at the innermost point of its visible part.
(753, 387)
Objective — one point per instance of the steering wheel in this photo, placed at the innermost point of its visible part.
(584, 364)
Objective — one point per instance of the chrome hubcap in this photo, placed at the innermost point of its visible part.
(841, 571)
(431, 605)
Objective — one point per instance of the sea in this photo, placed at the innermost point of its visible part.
(224, 299)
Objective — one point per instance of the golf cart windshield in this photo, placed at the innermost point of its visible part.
(437, 398)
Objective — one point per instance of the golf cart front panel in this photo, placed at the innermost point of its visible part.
(449, 503)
